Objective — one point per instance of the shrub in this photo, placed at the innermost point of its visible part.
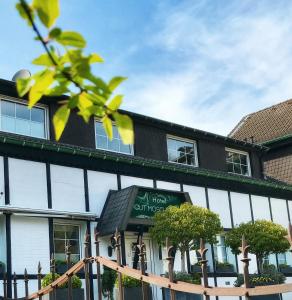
(130, 282)
(108, 280)
(48, 279)
(186, 277)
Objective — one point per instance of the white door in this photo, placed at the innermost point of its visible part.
(151, 260)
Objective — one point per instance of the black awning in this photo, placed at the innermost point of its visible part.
(136, 205)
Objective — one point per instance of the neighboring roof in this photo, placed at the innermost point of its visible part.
(118, 207)
(265, 125)
(96, 155)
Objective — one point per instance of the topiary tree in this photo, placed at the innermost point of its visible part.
(184, 226)
(263, 237)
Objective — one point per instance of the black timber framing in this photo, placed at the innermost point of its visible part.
(8, 254)
(49, 185)
(6, 180)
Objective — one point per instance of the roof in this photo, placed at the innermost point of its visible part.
(119, 209)
(265, 125)
(97, 155)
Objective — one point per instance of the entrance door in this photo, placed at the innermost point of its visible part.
(152, 263)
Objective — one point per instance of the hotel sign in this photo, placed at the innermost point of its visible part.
(148, 202)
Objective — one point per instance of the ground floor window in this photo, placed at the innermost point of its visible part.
(64, 233)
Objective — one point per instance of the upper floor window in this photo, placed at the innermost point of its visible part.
(238, 162)
(18, 118)
(181, 151)
(115, 145)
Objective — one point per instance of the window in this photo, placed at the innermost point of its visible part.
(64, 233)
(181, 151)
(115, 145)
(238, 162)
(18, 118)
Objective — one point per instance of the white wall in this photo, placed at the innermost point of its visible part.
(2, 239)
(2, 184)
(168, 185)
(260, 207)
(240, 208)
(99, 185)
(32, 287)
(67, 189)
(27, 184)
(29, 244)
(219, 203)
(197, 194)
(226, 282)
(127, 181)
(279, 212)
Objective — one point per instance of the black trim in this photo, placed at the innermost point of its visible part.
(188, 261)
(181, 187)
(6, 180)
(251, 208)
(270, 207)
(119, 184)
(207, 198)
(155, 183)
(230, 209)
(8, 255)
(289, 217)
(123, 248)
(49, 185)
(86, 192)
(51, 235)
(90, 265)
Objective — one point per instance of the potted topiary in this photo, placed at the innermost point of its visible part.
(184, 277)
(224, 267)
(264, 238)
(62, 291)
(108, 280)
(133, 288)
(196, 268)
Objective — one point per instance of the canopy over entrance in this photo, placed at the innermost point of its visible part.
(136, 205)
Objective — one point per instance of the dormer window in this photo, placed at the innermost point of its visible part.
(182, 151)
(16, 117)
(114, 145)
(238, 162)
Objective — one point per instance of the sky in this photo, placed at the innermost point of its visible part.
(199, 63)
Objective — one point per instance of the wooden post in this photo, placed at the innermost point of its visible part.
(203, 251)
(68, 257)
(39, 278)
(26, 283)
(142, 255)
(14, 285)
(244, 250)
(117, 238)
(98, 273)
(86, 267)
(170, 259)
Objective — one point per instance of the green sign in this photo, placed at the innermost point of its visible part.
(147, 203)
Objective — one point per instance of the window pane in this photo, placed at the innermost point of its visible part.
(182, 159)
(237, 163)
(8, 124)
(190, 159)
(244, 170)
(172, 156)
(37, 130)
(115, 133)
(99, 128)
(125, 148)
(22, 127)
(72, 232)
(243, 159)
(171, 144)
(38, 115)
(22, 112)
(59, 234)
(236, 158)
(101, 142)
(8, 108)
(237, 169)
(113, 145)
(75, 258)
(60, 256)
(74, 246)
(60, 246)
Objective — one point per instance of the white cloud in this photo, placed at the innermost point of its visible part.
(224, 67)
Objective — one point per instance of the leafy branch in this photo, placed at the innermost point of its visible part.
(66, 68)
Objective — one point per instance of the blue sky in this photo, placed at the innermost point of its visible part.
(201, 63)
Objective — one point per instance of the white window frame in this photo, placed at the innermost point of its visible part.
(24, 102)
(79, 237)
(243, 153)
(168, 136)
(114, 124)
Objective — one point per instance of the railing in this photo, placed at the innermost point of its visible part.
(204, 289)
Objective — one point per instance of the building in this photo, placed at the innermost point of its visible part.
(52, 192)
(271, 127)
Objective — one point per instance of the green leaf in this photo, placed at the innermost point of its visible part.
(95, 58)
(115, 82)
(43, 81)
(23, 14)
(108, 126)
(60, 120)
(71, 38)
(115, 103)
(125, 128)
(23, 85)
(43, 60)
(55, 32)
(48, 11)
(57, 90)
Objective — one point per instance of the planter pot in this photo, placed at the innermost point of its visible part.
(62, 294)
(286, 270)
(225, 269)
(197, 269)
(134, 293)
(181, 295)
(62, 269)
(266, 297)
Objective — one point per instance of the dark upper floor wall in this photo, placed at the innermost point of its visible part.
(151, 137)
